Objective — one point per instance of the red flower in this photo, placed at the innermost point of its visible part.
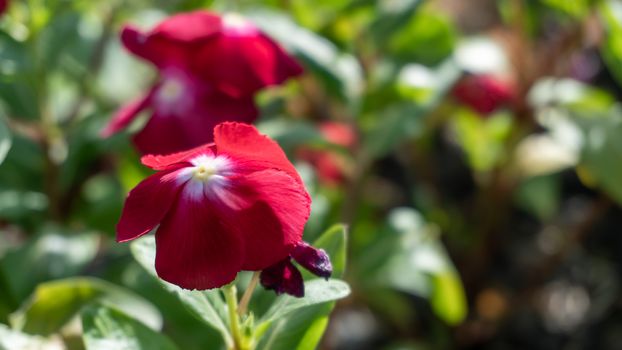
(237, 204)
(4, 4)
(210, 67)
(483, 93)
(332, 167)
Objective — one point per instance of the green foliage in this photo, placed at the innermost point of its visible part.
(53, 304)
(105, 327)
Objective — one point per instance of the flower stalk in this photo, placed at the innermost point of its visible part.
(248, 294)
(240, 341)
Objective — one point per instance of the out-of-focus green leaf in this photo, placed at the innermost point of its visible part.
(611, 12)
(539, 195)
(55, 303)
(5, 140)
(482, 138)
(576, 8)
(51, 255)
(208, 306)
(427, 38)
(14, 340)
(340, 72)
(418, 264)
(403, 121)
(291, 134)
(107, 328)
(448, 299)
(391, 16)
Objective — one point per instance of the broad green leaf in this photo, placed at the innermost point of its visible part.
(448, 299)
(50, 255)
(317, 291)
(208, 306)
(55, 303)
(106, 328)
(5, 140)
(299, 323)
(300, 331)
(15, 340)
(340, 72)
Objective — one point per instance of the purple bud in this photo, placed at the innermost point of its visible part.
(312, 259)
(283, 277)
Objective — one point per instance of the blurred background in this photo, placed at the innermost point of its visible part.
(473, 149)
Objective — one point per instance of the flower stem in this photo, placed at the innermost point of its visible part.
(231, 297)
(248, 294)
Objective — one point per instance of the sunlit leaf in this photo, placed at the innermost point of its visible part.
(107, 328)
(53, 304)
(51, 255)
(5, 140)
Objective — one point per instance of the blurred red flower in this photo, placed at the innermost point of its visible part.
(210, 68)
(331, 166)
(483, 93)
(237, 204)
(3, 6)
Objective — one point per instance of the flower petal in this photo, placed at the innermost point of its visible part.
(243, 64)
(126, 115)
(283, 277)
(189, 26)
(166, 133)
(158, 50)
(251, 150)
(196, 248)
(312, 259)
(146, 205)
(161, 162)
(275, 221)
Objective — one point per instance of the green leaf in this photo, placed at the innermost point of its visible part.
(404, 121)
(333, 241)
(106, 328)
(340, 72)
(392, 16)
(51, 255)
(448, 299)
(208, 306)
(15, 340)
(482, 138)
(56, 303)
(317, 291)
(5, 140)
(611, 12)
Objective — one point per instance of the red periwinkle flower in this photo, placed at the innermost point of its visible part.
(210, 67)
(228, 51)
(483, 93)
(4, 4)
(237, 204)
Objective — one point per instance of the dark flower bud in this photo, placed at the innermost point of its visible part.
(312, 259)
(283, 277)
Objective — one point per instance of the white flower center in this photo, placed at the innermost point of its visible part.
(176, 94)
(207, 177)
